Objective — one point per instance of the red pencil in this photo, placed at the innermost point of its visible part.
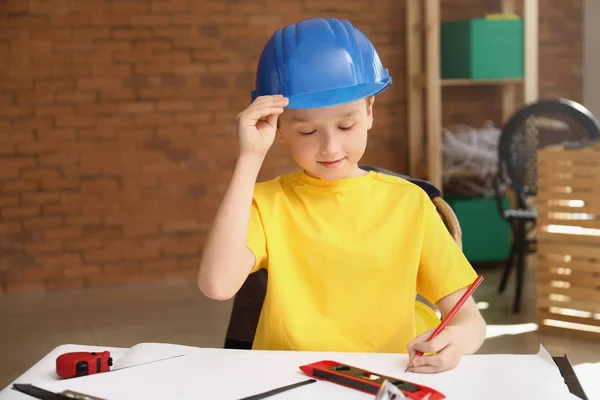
(448, 318)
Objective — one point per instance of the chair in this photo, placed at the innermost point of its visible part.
(540, 124)
(249, 299)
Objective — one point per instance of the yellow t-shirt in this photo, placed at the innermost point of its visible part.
(345, 259)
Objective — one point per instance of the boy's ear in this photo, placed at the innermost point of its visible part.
(279, 135)
(370, 102)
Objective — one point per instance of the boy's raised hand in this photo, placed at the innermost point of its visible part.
(446, 346)
(257, 124)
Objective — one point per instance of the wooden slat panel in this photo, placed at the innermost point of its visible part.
(568, 318)
(587, 197)
(576, 212)
(559, 237)
(554, 331)
(569, 249)
(576, 281)
(593, 307)
(568, 279)
(576, 268)
(581, 294)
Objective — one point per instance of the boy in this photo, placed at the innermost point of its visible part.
(346, 250)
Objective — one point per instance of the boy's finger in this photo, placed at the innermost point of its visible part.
(273, 99)
(434, 345)
(263, 112)
(421, 338)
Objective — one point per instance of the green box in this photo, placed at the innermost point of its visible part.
(482, 49)
(486, 235)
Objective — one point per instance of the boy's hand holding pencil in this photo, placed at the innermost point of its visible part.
(448, 343)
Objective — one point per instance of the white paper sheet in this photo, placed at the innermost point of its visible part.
(145, 353)
(231, 374)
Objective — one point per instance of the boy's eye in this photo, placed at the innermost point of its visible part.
(346, 128)
(308, 133)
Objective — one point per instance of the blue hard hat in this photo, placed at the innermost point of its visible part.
(320, 62)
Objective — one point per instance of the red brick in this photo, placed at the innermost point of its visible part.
(9, 200)
(140, 228)
(16, 111)
(59, 159)
(117, 94)
(54, 84)
(101, 231)
(65, 284)
(55, 134)
(20, 211)
(33, 123)
(136, 107)
(110, 18)
(46, 7)
(99, 185)
(99, 82)
(36, 147)
(7, 186)
(111, 69)
(10, 166)
(75, 121)
(172, 57)
(109, 47)
(185, 274)
(46, 247)
(174, 105)
(209, 6)
(59, 184)
(102, 256)
(71, 70)
(54, 110)
(97, 108)
(31, 46)
(40, 174)
(150, 20)
(181, 226)
(88, 32)
(40, 197)
(192, 117)
(52, 33)
(161, 264)
(173, 31)
(10, 227)
(83, 244)
(130, 32)
(78, 96)
(82, 271)
(42, 222)
(64, 233)
(170, 5)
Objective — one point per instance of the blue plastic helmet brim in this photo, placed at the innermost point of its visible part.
(335, 97)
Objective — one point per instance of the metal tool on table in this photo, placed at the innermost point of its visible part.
(367, 381)
(44, 394)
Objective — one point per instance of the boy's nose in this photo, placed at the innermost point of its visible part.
(330, 144)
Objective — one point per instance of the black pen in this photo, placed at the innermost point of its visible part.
(278, 390)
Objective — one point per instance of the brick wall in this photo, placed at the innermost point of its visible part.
(117, 122)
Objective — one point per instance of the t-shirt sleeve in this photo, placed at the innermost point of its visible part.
(256, 240)
(443, 268)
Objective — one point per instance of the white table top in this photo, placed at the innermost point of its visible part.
(233, 374)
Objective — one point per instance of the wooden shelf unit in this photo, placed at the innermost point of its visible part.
(424, 83)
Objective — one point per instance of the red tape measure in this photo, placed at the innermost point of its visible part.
(366, 381)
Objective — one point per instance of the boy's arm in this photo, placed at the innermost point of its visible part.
(226, 261)
(463, 335)
(468, 320)
(444, 276)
